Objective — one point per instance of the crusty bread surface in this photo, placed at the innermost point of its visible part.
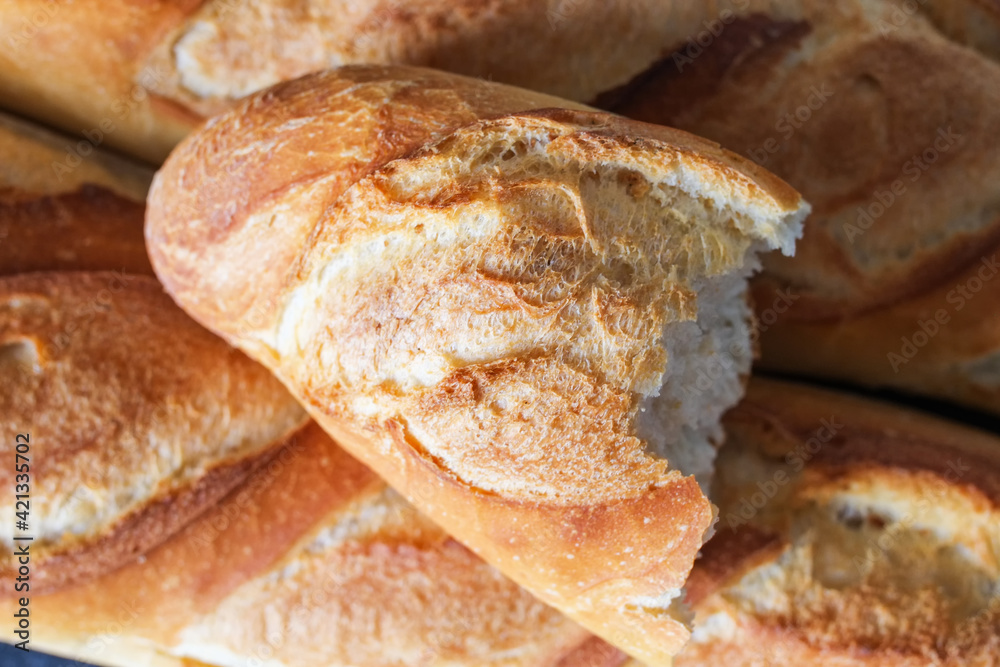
(215, 554)
(850, 533)
(138, 419)
(312, 560)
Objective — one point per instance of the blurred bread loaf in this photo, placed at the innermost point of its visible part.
(850, 533)
(892, 284)
(66, 205)
(496, 304)
(975, 23)
(139, 76)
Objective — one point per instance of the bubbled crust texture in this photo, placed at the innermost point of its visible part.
(139, 418)
(880, 550)
(445, 312)
(859, 285)
(264, 164)
(94, 207)
(313, 561)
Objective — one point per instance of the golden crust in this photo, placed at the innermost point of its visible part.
(339, 573)
(876, 545)
(906, 203)
(436, 266)
(90, 229)
(123, 397)
(39, 162)
(281, 185)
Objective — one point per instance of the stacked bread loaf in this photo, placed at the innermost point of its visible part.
(532, 319)
(187, 489)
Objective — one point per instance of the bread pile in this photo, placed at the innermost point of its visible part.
(535, 320)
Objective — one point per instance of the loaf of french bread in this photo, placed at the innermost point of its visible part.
(496, 299)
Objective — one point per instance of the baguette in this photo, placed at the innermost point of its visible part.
(139, 76)
(60, 210)
(479, 297)
(120, 461)
(892, 282)
(851, 533)
(312, 560)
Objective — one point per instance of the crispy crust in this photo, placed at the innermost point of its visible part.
(859, 285)
(285, 177)
(329, 164)
(128, 449)
(395, 590)
(881, 457)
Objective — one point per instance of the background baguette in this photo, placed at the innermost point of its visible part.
(852, 533)
(138, 76)
(904, 181)
(311, 561)
(61, 210)
(138, 418)
(405, 307)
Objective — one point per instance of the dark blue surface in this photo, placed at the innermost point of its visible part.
(12, 657)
